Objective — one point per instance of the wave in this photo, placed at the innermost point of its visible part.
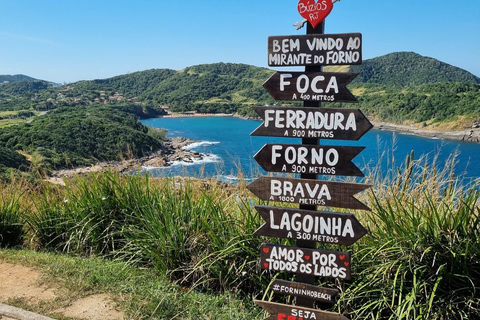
(200, 144)
(202, 159)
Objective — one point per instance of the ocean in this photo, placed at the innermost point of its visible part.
(228, 149)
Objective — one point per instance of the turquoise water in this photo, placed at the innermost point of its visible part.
(229, 148)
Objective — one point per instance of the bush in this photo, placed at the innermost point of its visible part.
(11, 218)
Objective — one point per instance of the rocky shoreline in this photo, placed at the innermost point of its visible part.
(172, 150)
(468, 135)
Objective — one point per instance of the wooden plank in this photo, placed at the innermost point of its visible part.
(315, 50)
(296, 289)
(311, 86)
(287, 312)
(318, 226)
(309, 192)
(324, 123)
(314, 262)
(309, 159)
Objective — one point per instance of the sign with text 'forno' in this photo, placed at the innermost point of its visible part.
(311, 86)
(318, 226)
(314, 262)
(311, 159)
(324, 123)
(315, 50)
(285, 312)
(304, 290)
(309, 192)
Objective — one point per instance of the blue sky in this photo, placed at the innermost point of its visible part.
(71, 40)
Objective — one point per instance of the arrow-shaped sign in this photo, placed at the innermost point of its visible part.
(320, 123)
(313, 262)
(309, 192)
(304, 290)
(284, 312)
(318, 226)
(310, 159)
(311, 86)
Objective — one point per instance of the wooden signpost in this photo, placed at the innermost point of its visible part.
(312, 86)
(325, 227)
(311, 123)
(324, 123)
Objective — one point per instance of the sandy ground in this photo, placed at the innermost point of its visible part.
(19, 282)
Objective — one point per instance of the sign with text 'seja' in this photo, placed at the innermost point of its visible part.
(315, 50)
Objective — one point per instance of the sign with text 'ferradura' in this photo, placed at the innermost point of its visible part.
(309, 192)
(304, 290)
(311, 86)
(310, 159)
(314, 262)
(318, 226)
(324, 123)
(315, 50)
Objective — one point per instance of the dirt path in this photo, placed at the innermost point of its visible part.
(23, 284)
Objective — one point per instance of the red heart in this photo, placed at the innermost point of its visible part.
(307, 257)
(265, 265)
(266, 250)
(315, 11)
(342, 257)
(346, 264)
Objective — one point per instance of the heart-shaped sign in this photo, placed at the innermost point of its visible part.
(266, 250)
(342, 257)
(265, 265)
(346, 264)
(315, 11)
(307, 258)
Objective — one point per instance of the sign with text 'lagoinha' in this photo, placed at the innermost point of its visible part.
(315, 50)
(318, 226)
(324, 123)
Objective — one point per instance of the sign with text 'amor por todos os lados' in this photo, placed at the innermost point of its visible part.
(309, 192)
(318, 226)
(311, 86)
(309, 159)
(321, 263)
(324, 123)
(315, 50)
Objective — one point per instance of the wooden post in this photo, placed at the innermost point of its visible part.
(308, 279)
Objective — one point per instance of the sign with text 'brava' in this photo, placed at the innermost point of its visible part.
(315, 50)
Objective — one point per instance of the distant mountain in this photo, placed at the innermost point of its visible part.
(403, 69)
(15, 78)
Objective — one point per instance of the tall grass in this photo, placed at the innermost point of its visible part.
(11, 217)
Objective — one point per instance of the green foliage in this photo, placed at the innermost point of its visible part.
(80, 136)
(11, 217)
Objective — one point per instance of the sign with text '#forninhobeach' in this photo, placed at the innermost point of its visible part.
(315, 50)
(309, 192)
(314, 262)
(321, 123)
(311, 86)
(310, 159)
(318, 226)
(304, 290)
(285, 312)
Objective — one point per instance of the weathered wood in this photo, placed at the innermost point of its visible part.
(311, 86)
(287, 312)
(296, 289)
(318, 226)
(309, 192)
(310, 159)
(324, 123)
(315, 50)
(319, 263)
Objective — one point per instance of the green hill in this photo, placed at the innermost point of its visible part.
(404, 69)
(15, 78)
